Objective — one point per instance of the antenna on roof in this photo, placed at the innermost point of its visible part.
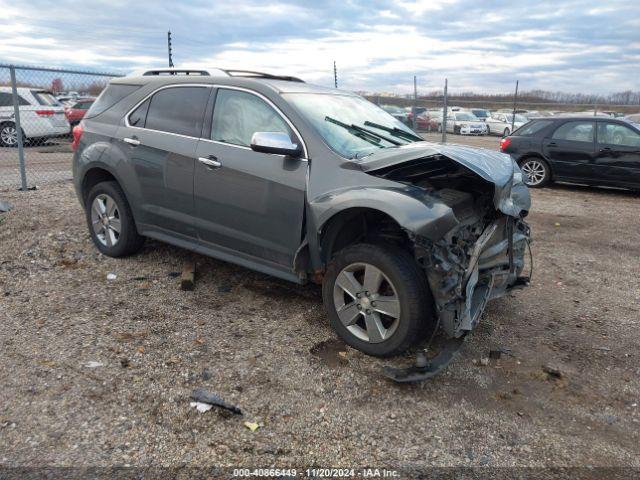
(169, 47)
(335, 74)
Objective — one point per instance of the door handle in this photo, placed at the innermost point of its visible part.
(210, 162)
(133, 141)
(552, 144)
(605, 149)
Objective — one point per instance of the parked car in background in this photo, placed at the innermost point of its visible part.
(635, 118)
(481, 113)
(421, 124)
(41, 116)
(500, 123)
(405, 236)
(75, 111)
(396, 112)
(427, 121)
(464, 123)
(592, 150)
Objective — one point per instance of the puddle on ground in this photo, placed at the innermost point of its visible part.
(329, 351)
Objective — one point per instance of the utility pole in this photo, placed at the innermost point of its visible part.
(169, 47)
(335, 74)
(415, 102)
(444, 114)
(515, 102)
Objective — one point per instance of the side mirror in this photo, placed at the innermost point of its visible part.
(277, 143)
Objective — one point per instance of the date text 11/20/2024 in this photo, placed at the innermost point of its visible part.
(316, 472)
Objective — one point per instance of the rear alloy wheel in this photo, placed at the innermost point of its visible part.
(8, 135)
(536, 172)
(377, 298)
(110, 221)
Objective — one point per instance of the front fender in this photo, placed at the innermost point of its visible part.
(411, 208)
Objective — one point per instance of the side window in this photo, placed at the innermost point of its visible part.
(238, 115)
(616, 134)
(178, 110)
(138, 117)
(575, 131)
(6, 100)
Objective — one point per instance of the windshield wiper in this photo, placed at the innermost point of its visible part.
(364, 133)
(396, 132)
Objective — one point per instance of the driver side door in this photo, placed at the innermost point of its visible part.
(249, 205)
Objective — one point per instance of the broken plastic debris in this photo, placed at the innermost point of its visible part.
(253, 426)
(5, 206)
(111, 276)
(200, 395)
(93, 364)
(201, 407)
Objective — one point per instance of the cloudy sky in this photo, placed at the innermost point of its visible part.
(588, 46)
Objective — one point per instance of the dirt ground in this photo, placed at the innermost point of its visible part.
(266, 346)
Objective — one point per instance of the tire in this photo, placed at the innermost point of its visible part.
(127, 240)
(456, 130)
(408, 317)
(488, 130)
(536, 172)
(8, 135)
(506, 132)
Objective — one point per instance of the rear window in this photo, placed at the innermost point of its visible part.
(109, 97)
(45, 98)
(532, 128)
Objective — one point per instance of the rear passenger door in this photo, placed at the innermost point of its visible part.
(160, 138)
(571, 150)
(248, 204)
(618, 158)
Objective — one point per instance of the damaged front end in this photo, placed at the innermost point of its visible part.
(482, 255)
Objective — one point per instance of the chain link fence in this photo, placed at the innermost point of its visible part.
(38, 109)
(40, 106)
(441, 113)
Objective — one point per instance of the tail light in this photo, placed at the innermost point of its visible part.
(78, 130)
(504, 143)
(45, 113)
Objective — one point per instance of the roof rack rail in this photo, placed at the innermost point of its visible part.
(175, 71)
(252, 74)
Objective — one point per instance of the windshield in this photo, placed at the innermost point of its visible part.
(351, 125)
(481, 113)
(466, 116)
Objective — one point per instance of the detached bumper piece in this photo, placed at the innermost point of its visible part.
(424, 370)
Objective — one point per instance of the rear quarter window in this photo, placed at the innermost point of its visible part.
(178, 110)
(109, 97)
(532, 128)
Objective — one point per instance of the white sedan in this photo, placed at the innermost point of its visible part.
(464, 123)
(501, 123)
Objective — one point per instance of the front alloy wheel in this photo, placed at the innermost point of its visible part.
(377, 298)
(366, 302)
(536, 172)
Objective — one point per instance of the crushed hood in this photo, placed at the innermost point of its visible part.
(494, 167)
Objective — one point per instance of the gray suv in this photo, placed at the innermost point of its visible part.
(306, 183)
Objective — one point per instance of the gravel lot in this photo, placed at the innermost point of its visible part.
(266, 346)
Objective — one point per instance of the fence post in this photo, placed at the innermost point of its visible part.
(444, 114)
(415, 101)
(515, 102)
(16, 115)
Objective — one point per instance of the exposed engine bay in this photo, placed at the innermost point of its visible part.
(478, 259)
